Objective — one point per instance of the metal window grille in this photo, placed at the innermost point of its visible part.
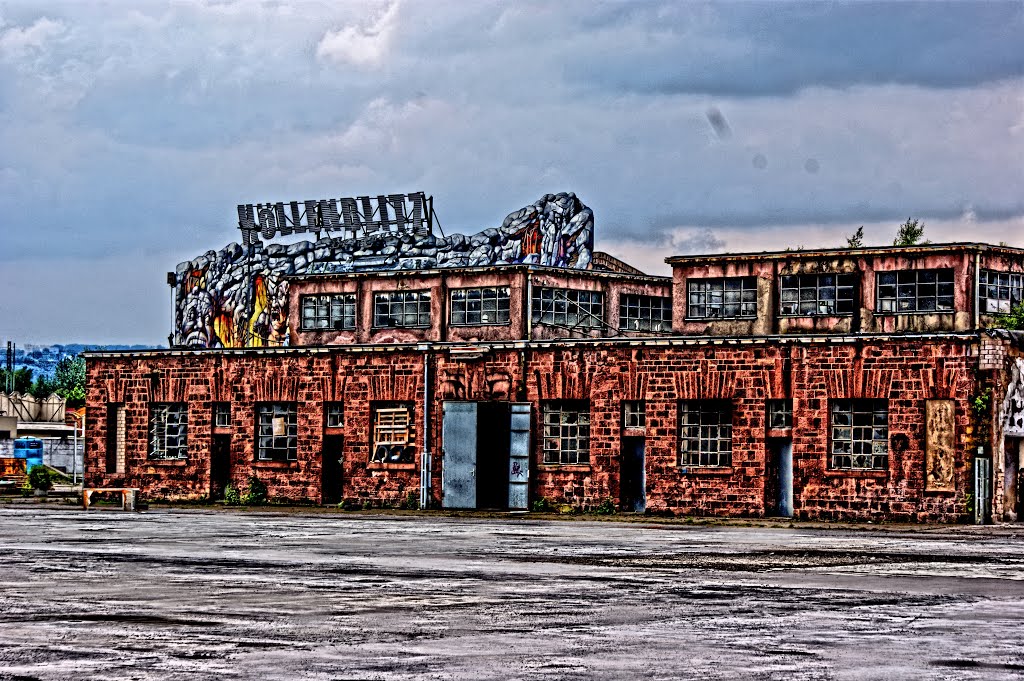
(914, 291)
(222, 415)
(705, 433)
(725, 298)
(401, 309)
(645, 313)
(634, 414)
(277, 431)
(808, 295)
(999, 292)
(335, 415)
(392, 434)
(860, 434)
(780, 413)
(335, 311)
(567, 432)
(568, 307)
(480, 306)
(168, 431)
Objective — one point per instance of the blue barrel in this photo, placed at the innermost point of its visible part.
(30, 449)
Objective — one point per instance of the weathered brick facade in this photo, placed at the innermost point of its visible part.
(903, 371)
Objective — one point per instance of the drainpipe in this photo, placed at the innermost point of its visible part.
(976, 303)
(425, 459)
(529, 304)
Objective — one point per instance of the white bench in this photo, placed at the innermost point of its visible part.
(128, 496)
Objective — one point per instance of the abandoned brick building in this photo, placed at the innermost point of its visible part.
(845, 384)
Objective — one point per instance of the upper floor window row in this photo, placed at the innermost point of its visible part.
(722, 298)
(568, 308)
(817, 294)
(645, 313)
(914, 291)
(999, 292)
(480, 306)
(401, 309)
(335, 311)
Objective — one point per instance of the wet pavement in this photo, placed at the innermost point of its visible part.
(200, 594)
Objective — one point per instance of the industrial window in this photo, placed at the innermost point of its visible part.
(277, 431)
(335, 311)
(480, 306)
(221, 414)
(806, 295)
(645, 313)
(860, 434)
(567, 432)
(725, 298)
(335, 415)
(780, 413)
(705, 433)
(401, 309)
(914, 291)
(634, 414)
(392, 433)
(568, 307)
(999, 292)
(168, 430)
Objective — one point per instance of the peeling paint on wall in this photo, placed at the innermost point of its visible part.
(1013, 405)
(940, 445)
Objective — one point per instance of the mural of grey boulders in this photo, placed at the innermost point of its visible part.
(235, 298)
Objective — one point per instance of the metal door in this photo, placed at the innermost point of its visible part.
(784, 469)
(982, 489)
(458, 461)
(519, 458)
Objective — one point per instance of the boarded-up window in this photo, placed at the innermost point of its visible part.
(393, 434)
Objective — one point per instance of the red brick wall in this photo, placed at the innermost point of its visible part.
(906, 373)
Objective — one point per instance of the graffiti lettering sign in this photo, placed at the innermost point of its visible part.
(940, 446)
(354, 217)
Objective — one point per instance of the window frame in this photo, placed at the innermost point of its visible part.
(219, 410)
(641, 303)
(700, 293)
(401, 299)
(845, 282)
(290, 446)
(696, 427)
(325, 307)
(878, 456)
(1014, 285)
(565, 430)
(899, 286)
(546, 300)
(392, 440)
(160, 417)
(334, 415)
(782, 408)
(634, 414)
(502, 304)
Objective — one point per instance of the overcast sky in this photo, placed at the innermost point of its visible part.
(130, 131)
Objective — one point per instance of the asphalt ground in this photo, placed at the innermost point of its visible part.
(222, 594)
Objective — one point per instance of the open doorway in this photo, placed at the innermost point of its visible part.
(632, 491)
(331, 470)
(220, 466)
(778, 488)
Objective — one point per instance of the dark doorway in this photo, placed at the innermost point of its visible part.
(331, 469)
(778, 489)
(632, 481)
(220, 465)
(492, 449)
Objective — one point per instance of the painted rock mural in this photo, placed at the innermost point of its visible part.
(238, 296)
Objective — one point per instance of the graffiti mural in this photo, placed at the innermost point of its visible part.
(238, 296)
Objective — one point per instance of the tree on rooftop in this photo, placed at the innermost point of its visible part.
(911, 233)
(857, 239)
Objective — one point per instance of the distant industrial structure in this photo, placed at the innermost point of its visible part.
(518, 368)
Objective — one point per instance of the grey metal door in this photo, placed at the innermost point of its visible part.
(519, 458)
(785, 481)
(982, 489)
(458, 462)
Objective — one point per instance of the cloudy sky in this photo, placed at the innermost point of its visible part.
(130, 131)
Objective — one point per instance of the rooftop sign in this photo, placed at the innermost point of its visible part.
(354, 217)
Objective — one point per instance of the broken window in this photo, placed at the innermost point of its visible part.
(393, 433)
(723, 298)
(808, 295)
(277, 431)
(221, 414)
(401, 309)
(335, 311)
(780, 414)
(860, 434)
(705, 433)
(567, 432)
(569, 308)
(335, 415)
(914, 291)
(168, 430)
(645, 313)
(634, 414)
(480, 306)
(999, 292)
